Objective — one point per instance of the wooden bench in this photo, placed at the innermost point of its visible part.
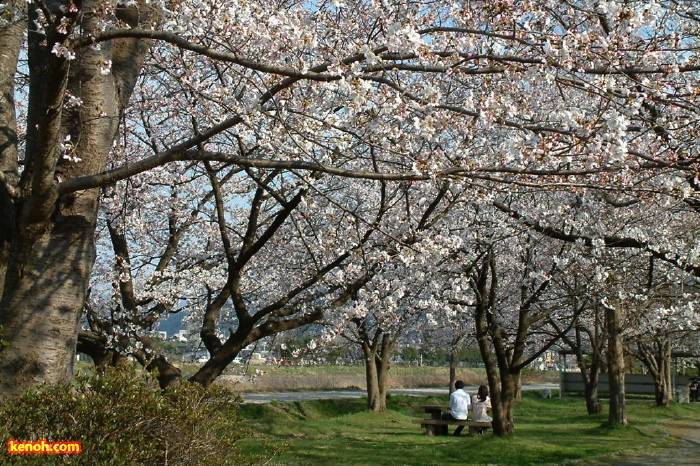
(435, 425)
(439, 426)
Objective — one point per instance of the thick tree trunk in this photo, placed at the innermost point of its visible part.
(169, 376)
(52, 245)
(518, 395)
(657, 360)
(102, 356)
(503, 408)
(377, 365)
(218, 361)
(503, 390)
(668, 373)
(590, 389)
(382, 382)
(371, 378)
(10, 42)
(616, 367)
(42, 344)
(591, 376)
(662, 393)
(376, 390)
(502, 384)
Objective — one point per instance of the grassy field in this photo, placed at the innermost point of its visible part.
(548, 431)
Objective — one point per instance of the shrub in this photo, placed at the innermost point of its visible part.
(120, 418)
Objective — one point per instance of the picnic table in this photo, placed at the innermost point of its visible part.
(435, 425)
(435, 411)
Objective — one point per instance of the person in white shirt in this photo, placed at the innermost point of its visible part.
(460, 404)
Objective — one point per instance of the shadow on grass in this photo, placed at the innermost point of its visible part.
(554, 431)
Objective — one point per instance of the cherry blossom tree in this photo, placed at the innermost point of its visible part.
(587, 340)
(664, 315)
(539, 93)
(403, 296)
(249, 289)
(511, 296)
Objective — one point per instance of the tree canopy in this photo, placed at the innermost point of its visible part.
(258, 164)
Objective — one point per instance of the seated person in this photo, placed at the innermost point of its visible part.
(460, 404)
(480, 405)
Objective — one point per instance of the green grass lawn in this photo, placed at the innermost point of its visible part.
(552, 431)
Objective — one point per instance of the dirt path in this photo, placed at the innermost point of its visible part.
(687, 451)
(305, 395)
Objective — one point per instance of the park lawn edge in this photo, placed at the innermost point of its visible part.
(553, 431)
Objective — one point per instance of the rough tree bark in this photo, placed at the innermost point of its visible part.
(377, 372)
(502, 386)
(656, 357)
(616, 366)
(377, 351)
(10, 43)
(49, 234)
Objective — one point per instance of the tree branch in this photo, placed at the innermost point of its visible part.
(608, 241)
